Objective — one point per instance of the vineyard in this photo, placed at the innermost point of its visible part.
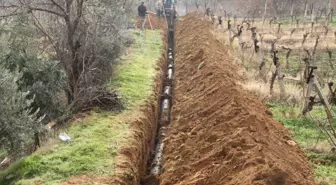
(290, 64)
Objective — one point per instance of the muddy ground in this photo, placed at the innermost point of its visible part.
(220, 133)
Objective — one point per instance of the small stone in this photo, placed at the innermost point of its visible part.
(201, 65)
(253, 129)
(260, 148)
(291, 143)
(256, 140)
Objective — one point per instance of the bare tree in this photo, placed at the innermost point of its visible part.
(197, 4)
(292, 11)
(312, 10)
(265, 11)
(79, 32)
(306, 9)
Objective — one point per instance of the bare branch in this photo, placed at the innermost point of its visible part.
(14, 13)
(40, 27)
(58, 5)
(46, 10)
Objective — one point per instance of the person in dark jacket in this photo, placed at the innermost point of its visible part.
(142, 10)
(220, 21)
(168, 3)
(158, 8)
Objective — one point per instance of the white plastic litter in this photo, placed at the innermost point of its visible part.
(64, 137)
(4, 161)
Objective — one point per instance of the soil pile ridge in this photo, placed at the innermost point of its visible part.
(220, 133)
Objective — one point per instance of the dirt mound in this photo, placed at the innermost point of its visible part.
(152, 22)
(220, 133)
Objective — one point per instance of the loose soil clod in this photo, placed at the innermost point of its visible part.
(220, 133)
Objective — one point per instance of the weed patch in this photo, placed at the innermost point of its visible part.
(309, 138)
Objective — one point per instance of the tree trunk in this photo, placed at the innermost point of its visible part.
(292, 11)
(306, 9)
(272, 82)
(281, 83)
(69, 94)
(312, 13)
(331, 15)
(261, 55)
(186, 6)
(74, 69)
(265, 11)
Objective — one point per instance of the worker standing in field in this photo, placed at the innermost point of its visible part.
(169, 3)
(174, 13)
(220, 23)
(142, 10)
(158, 7)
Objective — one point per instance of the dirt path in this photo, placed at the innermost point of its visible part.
(220, 133)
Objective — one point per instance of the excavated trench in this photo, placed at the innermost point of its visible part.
(164, 114)
(139, 162)
(217, 134)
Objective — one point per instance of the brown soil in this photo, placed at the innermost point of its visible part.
(153, 22)
(221, 134)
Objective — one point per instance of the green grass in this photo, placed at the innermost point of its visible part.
(333, 20)
(88, 151)
(294, 64)
(306, 133)
(138, 69)
(303, 128)
(326, 173)
(96, 139)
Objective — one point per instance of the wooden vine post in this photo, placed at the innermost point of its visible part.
(312, 27)
(289, 50)
(230, 31)
(265, 12)
(330, 58)
(240, 38)
(277, 73)
(297, 23)
(261, 53)
(292, 32)
(313, 84)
